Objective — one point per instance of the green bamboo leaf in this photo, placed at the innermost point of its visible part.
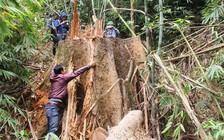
(52, 135)
(168, 126)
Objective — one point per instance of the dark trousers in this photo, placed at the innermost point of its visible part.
(52, 113)
(56, 40)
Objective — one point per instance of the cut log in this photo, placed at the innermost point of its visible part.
(127, 127)
(100, 134)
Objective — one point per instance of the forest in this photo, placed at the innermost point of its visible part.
(161, 78)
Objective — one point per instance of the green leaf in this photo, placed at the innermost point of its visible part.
(187, 89)
(176, 133)
(215, 72)
(182, 127)
(54, 137)
(168, 126)
(7, 74)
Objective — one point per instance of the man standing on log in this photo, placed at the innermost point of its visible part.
(62, 27)
(58, 94)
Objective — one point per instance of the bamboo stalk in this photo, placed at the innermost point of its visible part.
(131, 69)
(52, 8)
(193, 53)
(196, 82)
(214, 93)
(66, 8)
(163, 47)
(126, 9)
(157, 120)
(84, 130)
(125, 23)
(133, 75)
(103, 7)
(160, 25)
(125, 98)
(132, 15)
(203, 51)
(129, 52)
(153, 115)
(219, 108)
(147, 28)
(221, 34)
(192, 38)
(93, 8)
(31, 127)
(196, 48)
(185, 102)
(145, 109)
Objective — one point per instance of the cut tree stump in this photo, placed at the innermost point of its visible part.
(112, 57)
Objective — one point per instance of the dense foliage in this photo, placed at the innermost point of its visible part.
(19, 23)
(19, 27)
(22, 23)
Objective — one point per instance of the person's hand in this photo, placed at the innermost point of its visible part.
(92, 64)
(63, 22)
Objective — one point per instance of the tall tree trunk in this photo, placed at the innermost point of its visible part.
(132, 16)
(160, 24)
(146, 28)
(93, 8)
(116, 3)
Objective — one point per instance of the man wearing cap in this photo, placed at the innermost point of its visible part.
(62, 27)
(110, 30)
(58, 94)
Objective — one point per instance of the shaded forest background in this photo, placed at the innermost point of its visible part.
(191, 47)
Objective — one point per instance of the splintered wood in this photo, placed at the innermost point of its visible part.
(75, 22)
(92, 31)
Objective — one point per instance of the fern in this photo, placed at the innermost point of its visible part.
(7, 110)
(216, 129)
(215, 72)
(213, 12)
(175, 123)
(19, 38)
